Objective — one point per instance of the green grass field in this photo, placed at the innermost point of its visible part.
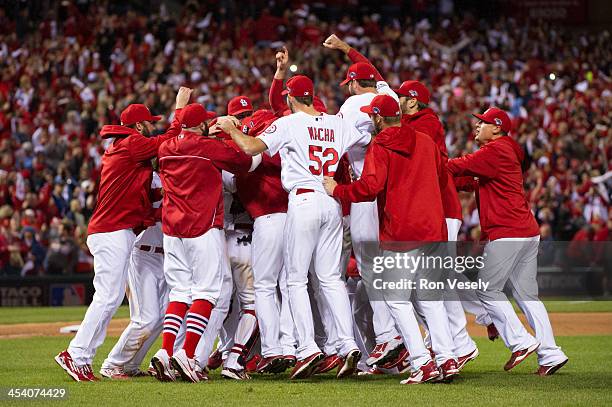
(585, 380)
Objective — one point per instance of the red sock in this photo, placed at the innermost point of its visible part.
(197, 319)
(175, 313)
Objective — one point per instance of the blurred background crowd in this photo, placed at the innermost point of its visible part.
(68, 67)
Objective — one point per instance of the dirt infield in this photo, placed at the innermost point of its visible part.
(564, 324)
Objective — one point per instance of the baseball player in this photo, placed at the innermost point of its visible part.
(194, 243)
(147, 296)
(264, 198)
(364, 83)
(414, 101)
(513, 235)
(310, 144)
(403, 169)
(122, 204)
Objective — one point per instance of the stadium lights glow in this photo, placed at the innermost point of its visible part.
(552, 76)
(293, 68)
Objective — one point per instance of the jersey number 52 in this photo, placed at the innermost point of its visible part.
(322, 160)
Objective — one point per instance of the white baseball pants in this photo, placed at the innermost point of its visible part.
(111, 253)
(513, 262)
(268, 242)
(148, 299)
(365, 231)
(194, 266)
(313, 232)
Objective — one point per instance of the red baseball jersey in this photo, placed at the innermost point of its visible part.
(426, 121)
(190, 169)
(125, 181)
(403, 170)
(502, 204)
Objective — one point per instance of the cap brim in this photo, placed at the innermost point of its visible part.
(400, 93)
(210, 115)
(344, 82)
(481, 117)
(244, 109)
(285, 92)
(155, 118)
(366, 109)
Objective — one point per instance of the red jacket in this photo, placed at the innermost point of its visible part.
(426, 121)
(261, 191)
(502, 204)
(404, 170)
(125, 181)
(190, 169)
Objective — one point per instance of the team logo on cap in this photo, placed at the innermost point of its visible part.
(497, 121)
(352, 74)
(306, 93)
(413, 93)
(243, 102)
(376, 110)
(245, 129)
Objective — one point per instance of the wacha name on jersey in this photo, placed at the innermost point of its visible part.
(321, 134)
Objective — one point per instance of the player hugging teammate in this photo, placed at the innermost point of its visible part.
(243, 228)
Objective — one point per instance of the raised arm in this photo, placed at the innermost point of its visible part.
(333, 42)
(145, 148)
(276, 99)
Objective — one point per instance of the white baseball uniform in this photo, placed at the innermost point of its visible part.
(364, 215)
(311, 147)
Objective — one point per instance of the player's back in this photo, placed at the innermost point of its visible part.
(310, 147)
(351, 112)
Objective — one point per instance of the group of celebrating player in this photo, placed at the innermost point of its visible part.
(242, 227)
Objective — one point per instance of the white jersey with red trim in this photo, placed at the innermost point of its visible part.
(351, 112)
(310, 147)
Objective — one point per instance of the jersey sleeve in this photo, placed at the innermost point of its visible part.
(372, 181)
(275, 97)
(224, 156)
(482, 163)
(356, 136)
(274, 137)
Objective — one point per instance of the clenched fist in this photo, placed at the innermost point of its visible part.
(330, 185)
(182, 97)
(333, 42)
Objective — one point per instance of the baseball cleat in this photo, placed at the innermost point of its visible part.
(424, 374)
(492, 332)
(550, 370)
(114, 373)
(304, 367)
(90, 374)
(385, 352)
(185, 366)
(234, 374)
(290, 360)
(328, 363)
(520, 355)
(76, 372)
(251, 364)
(370, 372)
(215, 360)
(449, 370)
(271, 364)
(350, 364)
(164, 372)
(463, 360)
(202, 373)
(403, 355)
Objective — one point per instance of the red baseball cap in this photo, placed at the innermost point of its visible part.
(239, 104)
(414, 89)
(194, 114)
(382, 105)
(298, 86)
(496, 116)
(137, 113)
(360, 70)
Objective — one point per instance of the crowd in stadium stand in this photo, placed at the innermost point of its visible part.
(65, 75)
